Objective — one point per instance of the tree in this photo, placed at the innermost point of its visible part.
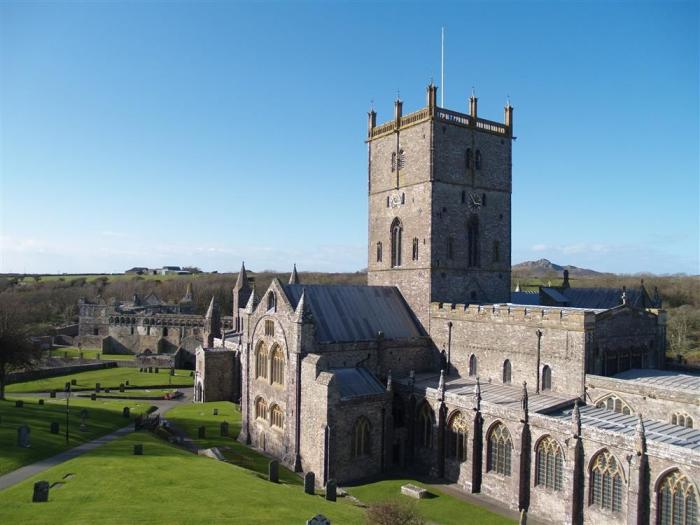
(16, 350)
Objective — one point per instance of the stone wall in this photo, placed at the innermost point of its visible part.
(43, 373)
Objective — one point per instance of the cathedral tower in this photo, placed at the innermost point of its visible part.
(439, 205)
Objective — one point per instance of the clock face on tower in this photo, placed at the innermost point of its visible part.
(474, 202)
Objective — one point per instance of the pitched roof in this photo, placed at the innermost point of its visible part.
(356, 382)
(345, 313)
(588, 298)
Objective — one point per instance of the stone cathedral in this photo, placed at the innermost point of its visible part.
(556, 402)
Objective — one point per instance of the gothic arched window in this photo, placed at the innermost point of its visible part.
(276, 416)
(615, 404)
(506, 371)
(414, 250)
(606, 482)
(260, 408)
(360, 438)
(500, 445)
(261, 361)
(425, 426)
(472, 365)
(550, 464)
(379, 252)
(277, 365)
(396, 232)
(677, 500)
(682, 420)
(477, 160)
(473, 241)
(457, 443)
(546, 378)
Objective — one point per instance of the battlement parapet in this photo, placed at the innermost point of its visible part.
(570, 318)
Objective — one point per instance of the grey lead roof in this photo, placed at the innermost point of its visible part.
(657, 431)
(671, 379)
(588, 298)
(356, 382)
(344, 313)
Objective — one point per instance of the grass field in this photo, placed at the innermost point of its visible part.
(149, 393)
(108, 378)
(166, 485)
(104, 416)
(72, 352)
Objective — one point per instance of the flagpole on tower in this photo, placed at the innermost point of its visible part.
(442, 67)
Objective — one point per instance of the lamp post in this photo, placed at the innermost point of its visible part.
(68, 391)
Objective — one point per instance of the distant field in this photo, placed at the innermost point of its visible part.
(108, 378)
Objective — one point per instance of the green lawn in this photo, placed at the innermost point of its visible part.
(441, 508)
(73, 352)
(104, 416)
(166, 485)
(108, 378)
(191, 416)
(150, 393)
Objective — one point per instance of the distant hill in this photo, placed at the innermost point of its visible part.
(545, 267)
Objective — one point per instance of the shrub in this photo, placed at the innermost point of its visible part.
(394, 513)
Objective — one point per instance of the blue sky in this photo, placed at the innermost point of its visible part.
(152, 133)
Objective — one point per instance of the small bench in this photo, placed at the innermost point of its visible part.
(413, 491)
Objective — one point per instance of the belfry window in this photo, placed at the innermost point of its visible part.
(546, 378)
(506, 371)
(379, 252)
(472, 365)
(393, 161)
(414, 249)
(473, 241)
(396, 232)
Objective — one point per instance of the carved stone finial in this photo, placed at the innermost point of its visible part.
(517, 286)
(477, 395)
(623, 298)
(441, 386)
(576, 420)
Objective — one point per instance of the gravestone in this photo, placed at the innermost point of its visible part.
(23, 434)
(156, 370)
(141, 369)
(224, 428)
(107, 390)
(126, 412)
(97, 387)
(150, 369)
(52, 394)
(309, 483)
(81, 356)
(202, 432)
(172, 371)
(319, 519)
(273, 471)
(215, 412)
(54, 427)
(138, 450)
(191, 374)
(19, 404)
(121, 387)
(126, 382)
(93, 397)
(138, 422)
(41, 492)
(330, 490)
(41, 402)
(73, 382)
(414, 491)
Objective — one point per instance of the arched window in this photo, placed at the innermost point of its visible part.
(271, 301)
(500, 446)
(550, 463)
(606, 482)
(472, 365)
(468, 158)
(496, 254)
(396, 231)
(393, 161)
(477, 160)
(682, 420)
(414, 250)
(425, 426)
(276, 416)
(506, 371)
(260, 408)
(360, 438)
(379, 252)
(677, 500)
(277, 365)
(457, 437)
(261, 361)
(615, 404)
(473, 241)
(546, 378)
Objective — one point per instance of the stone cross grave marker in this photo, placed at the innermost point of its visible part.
(318, 519)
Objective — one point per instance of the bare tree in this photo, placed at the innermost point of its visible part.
(16, 350)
